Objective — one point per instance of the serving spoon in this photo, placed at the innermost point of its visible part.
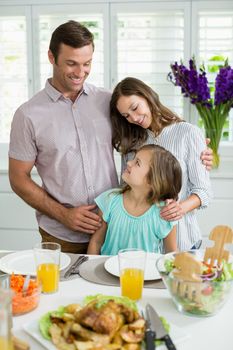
(25, 285)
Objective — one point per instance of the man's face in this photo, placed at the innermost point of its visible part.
(71, 69)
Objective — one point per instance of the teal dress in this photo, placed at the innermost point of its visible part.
(127, 231)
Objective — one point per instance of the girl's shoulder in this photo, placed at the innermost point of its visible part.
(109, 194)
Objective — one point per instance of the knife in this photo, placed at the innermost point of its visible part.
(149, 334)
(158, 328)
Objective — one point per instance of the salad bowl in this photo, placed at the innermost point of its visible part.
(203, 296)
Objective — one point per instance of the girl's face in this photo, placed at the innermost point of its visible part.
(135, 109)
(135, 175)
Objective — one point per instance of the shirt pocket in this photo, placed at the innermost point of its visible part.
(103, 132)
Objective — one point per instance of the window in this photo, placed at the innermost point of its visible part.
(13, 68)
(214, 43)
(138, 39)
(147, 39)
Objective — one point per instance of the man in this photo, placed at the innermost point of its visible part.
(65, 131)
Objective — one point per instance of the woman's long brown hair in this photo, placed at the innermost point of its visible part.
(128, 136)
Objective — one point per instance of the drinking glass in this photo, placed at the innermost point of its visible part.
(131, 266)
(5, 319)
(47, 257)
(4, 281)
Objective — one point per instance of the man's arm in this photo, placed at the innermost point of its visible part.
(76, 219)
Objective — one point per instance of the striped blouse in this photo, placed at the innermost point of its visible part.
(186, 142)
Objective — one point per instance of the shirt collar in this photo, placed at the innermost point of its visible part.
(54, 94)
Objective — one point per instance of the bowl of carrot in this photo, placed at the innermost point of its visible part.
(24, 301)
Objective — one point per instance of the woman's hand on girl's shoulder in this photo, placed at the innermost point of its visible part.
(172, 211)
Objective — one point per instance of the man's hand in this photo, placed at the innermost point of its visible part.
(207, 157)
(82, 219)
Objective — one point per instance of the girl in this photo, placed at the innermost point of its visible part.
(138, 117)
(131, 215)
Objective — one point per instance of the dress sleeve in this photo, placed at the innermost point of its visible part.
(165, 228)
(104, 202)
(198, 175)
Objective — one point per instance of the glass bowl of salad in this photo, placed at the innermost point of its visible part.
(202, 298)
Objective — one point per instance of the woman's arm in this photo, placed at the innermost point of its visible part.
(169, 241)
(207, 156)
(198, 182)
(175, 210)
(97, 239)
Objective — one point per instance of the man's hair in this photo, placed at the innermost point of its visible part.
(71, 33)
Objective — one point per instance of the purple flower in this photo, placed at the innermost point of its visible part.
(224, 86)
(193, 84)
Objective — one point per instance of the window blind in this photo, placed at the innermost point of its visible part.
(215, 42)
(147, 42)
(13, 69)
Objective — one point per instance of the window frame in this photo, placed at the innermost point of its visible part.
(32, 8)
(225, 147)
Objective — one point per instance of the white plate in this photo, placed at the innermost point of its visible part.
(151, 273)
(22, 262)
(32, 328)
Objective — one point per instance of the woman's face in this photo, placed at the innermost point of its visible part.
(135, 109)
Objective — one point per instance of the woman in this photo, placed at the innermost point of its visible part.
(138, 117)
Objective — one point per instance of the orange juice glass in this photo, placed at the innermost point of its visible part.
(6, 344)
(47, 257)
(5, 318)
(131, 267)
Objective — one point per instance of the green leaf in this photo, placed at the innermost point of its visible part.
(45, 321)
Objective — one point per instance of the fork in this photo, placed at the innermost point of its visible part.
(76, 268)
(73, 268)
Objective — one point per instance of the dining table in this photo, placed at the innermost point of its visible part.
(195, 333)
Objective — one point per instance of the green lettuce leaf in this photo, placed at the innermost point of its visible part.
(45, 321)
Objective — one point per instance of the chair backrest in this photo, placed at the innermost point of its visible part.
(220, 235)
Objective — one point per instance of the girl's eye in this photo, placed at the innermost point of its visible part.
(137, 163)
(134, 108)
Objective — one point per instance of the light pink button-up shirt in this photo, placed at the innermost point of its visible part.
(71, 146)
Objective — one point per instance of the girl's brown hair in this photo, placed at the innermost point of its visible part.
(127, 136)
(164, 176)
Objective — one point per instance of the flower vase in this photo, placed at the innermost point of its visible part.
(213, 121)
(215, 136)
